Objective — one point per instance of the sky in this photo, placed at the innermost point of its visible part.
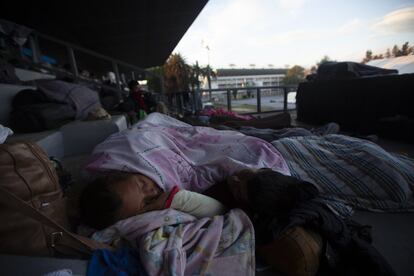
(283, 33)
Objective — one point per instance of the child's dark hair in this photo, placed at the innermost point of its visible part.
(100, 204)
(274, 194)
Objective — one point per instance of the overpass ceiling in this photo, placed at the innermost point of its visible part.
(140, 32)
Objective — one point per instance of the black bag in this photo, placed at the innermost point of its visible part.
(7, 73)
(110, 98)
(41, 116)
(28, 97)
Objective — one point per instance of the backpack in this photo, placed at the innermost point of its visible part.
(32, 207)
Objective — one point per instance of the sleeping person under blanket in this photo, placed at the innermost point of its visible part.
(285, 212)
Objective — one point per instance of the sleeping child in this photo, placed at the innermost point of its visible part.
(121, 195)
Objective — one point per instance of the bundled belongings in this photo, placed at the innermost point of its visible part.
(80, 97)
(52, 105)
(347, 70)
(14, 33)
(357, 102)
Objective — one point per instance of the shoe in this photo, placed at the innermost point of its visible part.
(373, 138)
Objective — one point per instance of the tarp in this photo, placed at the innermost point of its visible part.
(404, 65)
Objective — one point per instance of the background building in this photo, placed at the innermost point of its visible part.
(245, 78)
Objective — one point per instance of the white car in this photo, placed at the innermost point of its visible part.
(291, 98)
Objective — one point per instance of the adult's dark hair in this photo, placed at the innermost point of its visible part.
(132, 83)
(274, 194)
(100, 204)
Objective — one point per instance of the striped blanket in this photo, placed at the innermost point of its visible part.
(352, 171)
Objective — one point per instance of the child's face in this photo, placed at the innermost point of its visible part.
(137, 192)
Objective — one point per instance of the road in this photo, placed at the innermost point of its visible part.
(268, 103)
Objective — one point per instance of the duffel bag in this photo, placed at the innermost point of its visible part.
(41, 116)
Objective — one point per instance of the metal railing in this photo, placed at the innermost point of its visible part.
(192, 101)
(71, 53)
(179, 102)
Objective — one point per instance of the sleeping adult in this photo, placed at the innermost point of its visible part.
(284, 209)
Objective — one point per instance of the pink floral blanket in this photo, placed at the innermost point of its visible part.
(175, 243)
(174, 153)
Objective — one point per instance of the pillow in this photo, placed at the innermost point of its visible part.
(295, 253)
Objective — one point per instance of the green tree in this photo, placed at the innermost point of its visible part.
(294, 75)
(324, 59)
(368, 56)
(176, 74)
(396, 51)
(194, 77)
(388, 53)
(208, 73)
(380, 56)
(195, 72)
(405, 49)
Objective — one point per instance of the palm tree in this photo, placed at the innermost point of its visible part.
(207, 72)
(194, 77)
(176, 74)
